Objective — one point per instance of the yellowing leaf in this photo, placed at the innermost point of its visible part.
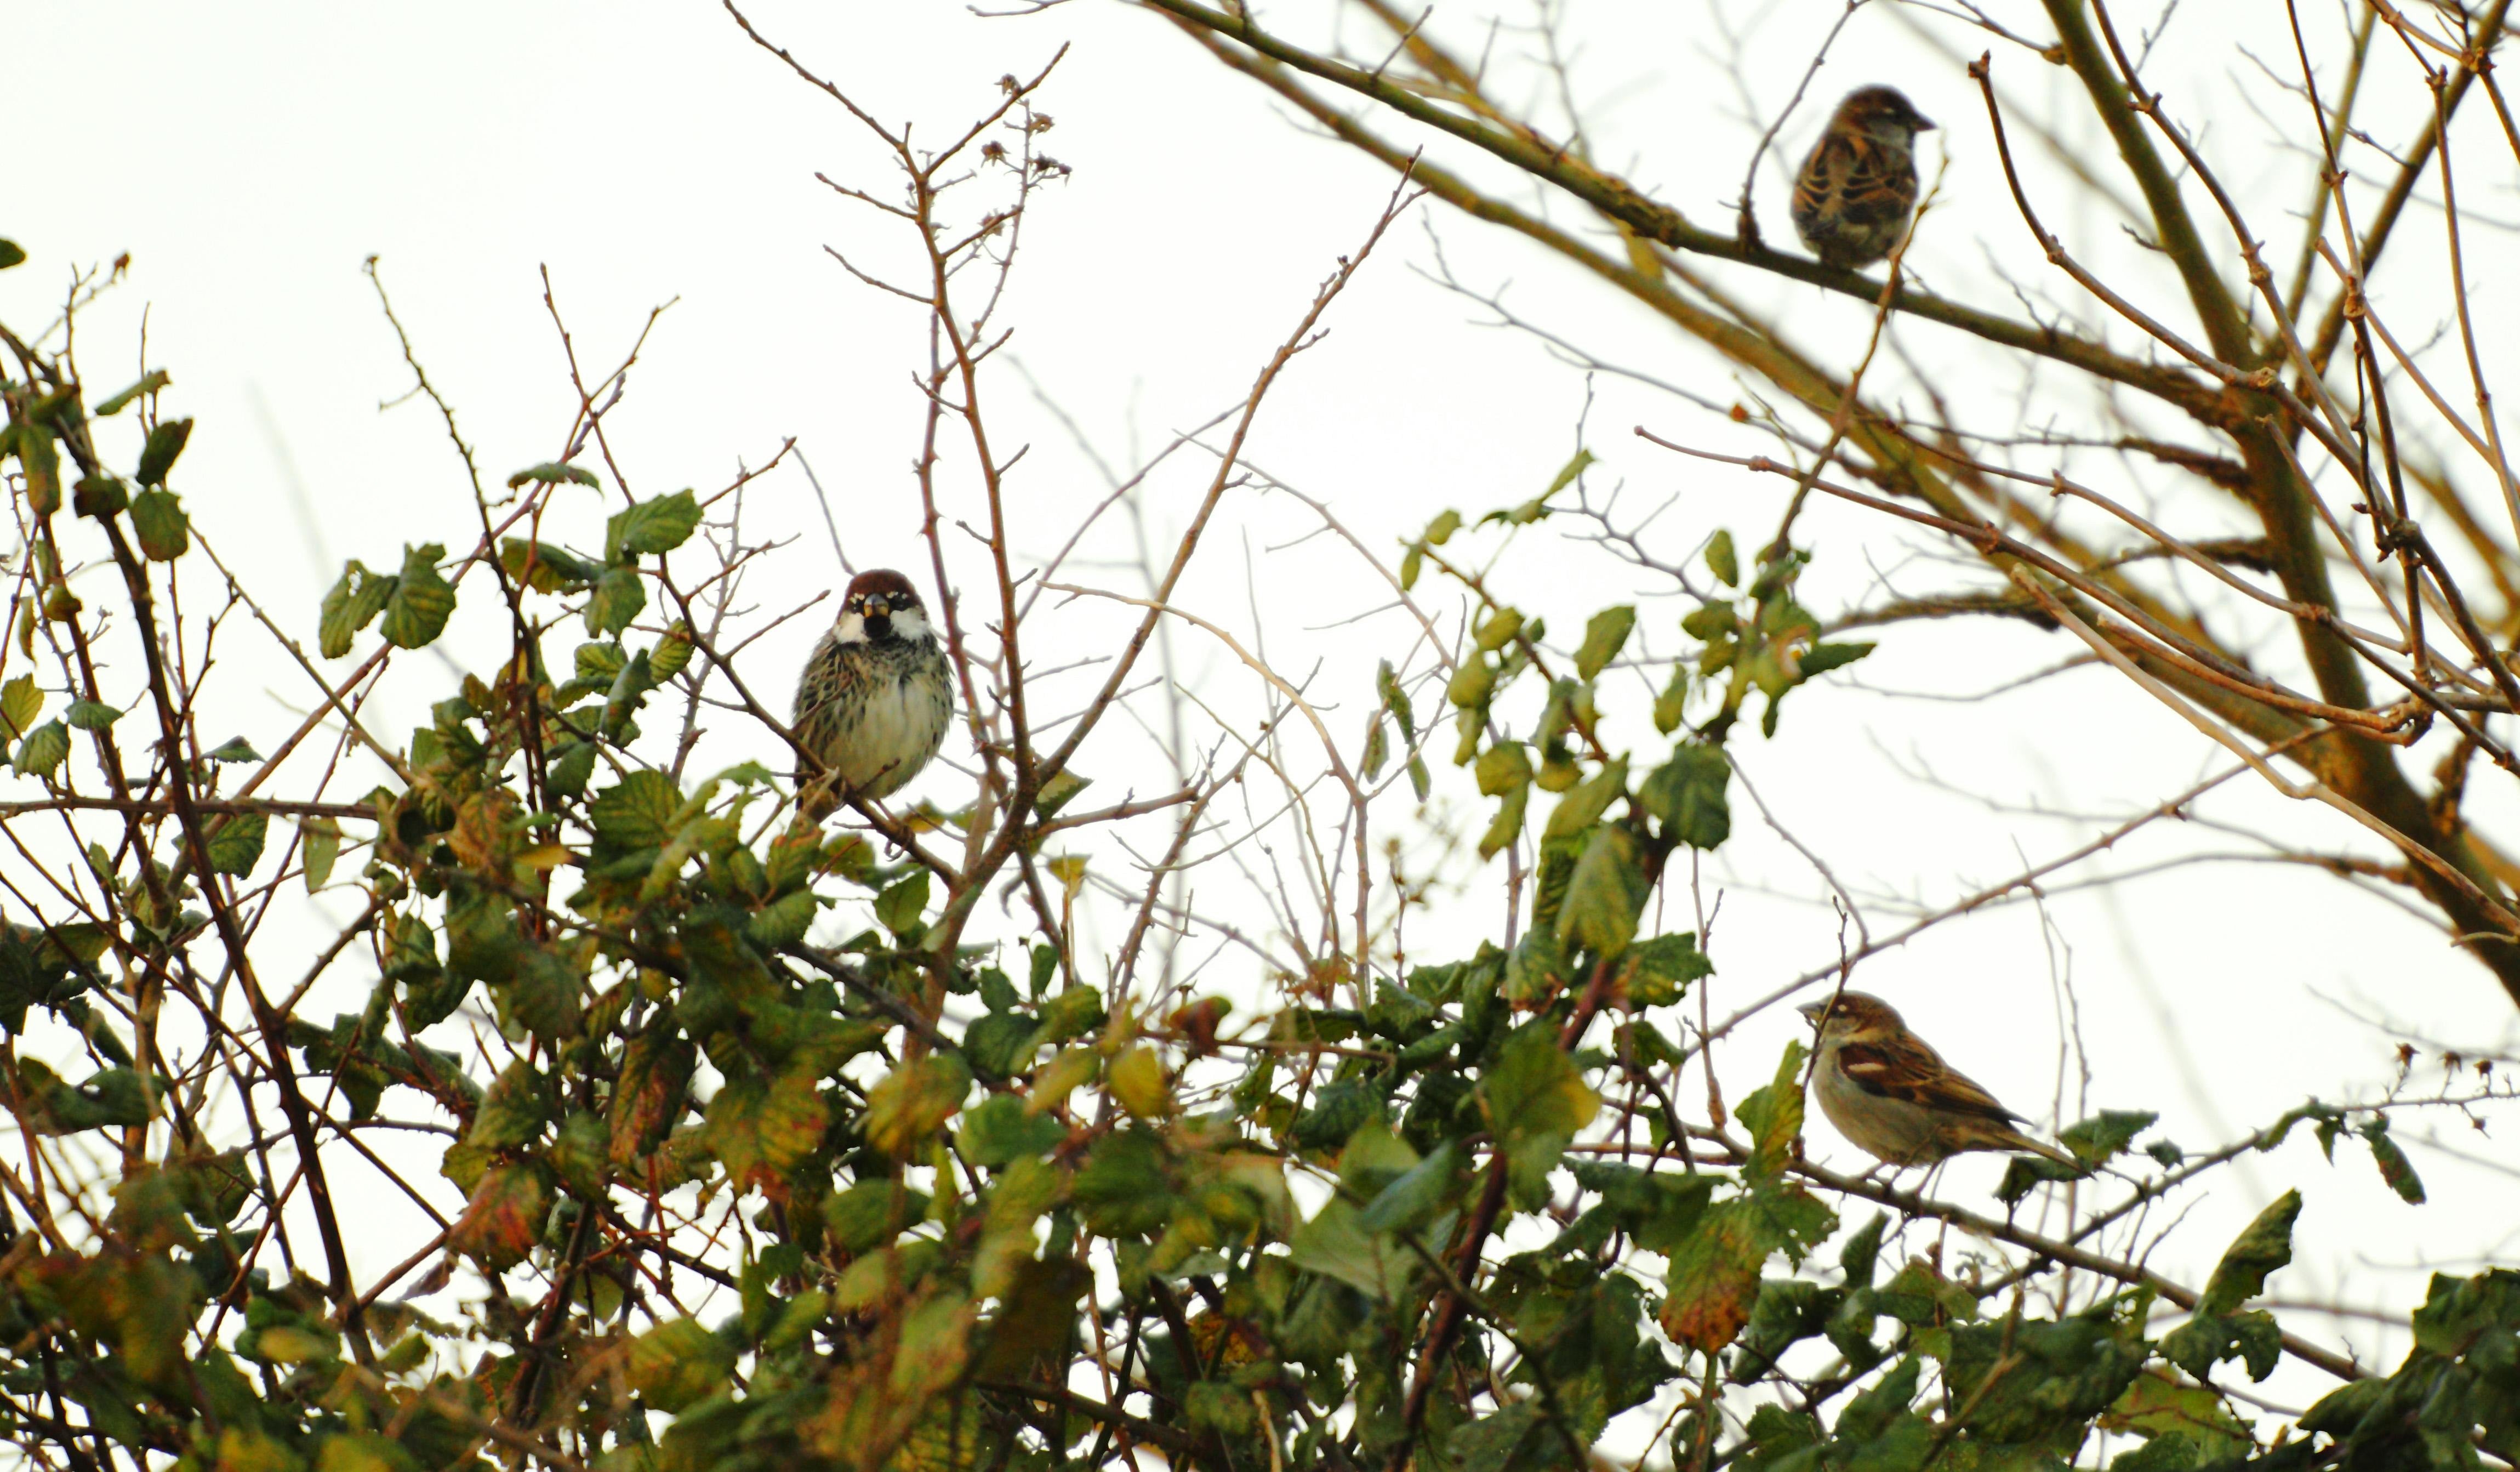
(913, 1102)
(505, 1217)
(1603, 637)
(1137, 1082)
(1060, 1077)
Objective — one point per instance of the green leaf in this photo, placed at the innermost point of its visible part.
(19, 703)
(238, 845)
(1499, 630)
(1410, 563)
(1566, 473)
(545, 995)
(1501, 768)
(2262, 1247)
(1378, 748)
(1664, 968)
(2159, 1403)
(570, 769)
(554, 473)
(1120, 1189)
(1440, 530)
(2106, 1136)
(1710, 620)
(150, 382)
(1821, 658)
(1001, 1130)
(1387, 683)
(618, 600)
(2395, 1169)
(11, 254)
(1584, 805)
(783, 921)
(1536, 1101)
(514, 1109)
(652, 527)
(634, 813)
(871, 1212)
(1506, 826)
(671, 656)
(913, 1102)
(1418, 1194)
(676, 1364)
(1470, 683)
(1071, 1012)
(1418, 780)
(236, 748)
(98, 496)
(2207, 1339)
(902, 903)
(158, 456)
(762, 1130)
(33, 443)
(1606, 895)
(2032, 1379)
(1057, 793)
(157, 517)
(1686, 796)
(544, 568)
(2025, 1174)
(91, 716)
(350, 606)
(320, 840)
(1774, 1116)
(1672, 706)
(1603, 637)
(1337, 1245)
(43, 750)
(1722, 560)
(420, 601)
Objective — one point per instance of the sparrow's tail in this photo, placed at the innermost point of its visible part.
(2020, 1142)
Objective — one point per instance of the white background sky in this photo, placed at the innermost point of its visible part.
(251, 159)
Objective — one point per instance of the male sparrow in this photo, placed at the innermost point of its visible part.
(1852, 195)
(1891, 1095)
(874, 699)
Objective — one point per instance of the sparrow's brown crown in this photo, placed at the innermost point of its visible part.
(1872, 107)
(879, 582)
(1855, 1012)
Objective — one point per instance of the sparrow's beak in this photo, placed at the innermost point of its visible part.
(1925, 124)
(877, 606)
(1813, 1010)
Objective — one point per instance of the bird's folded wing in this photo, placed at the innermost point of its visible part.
(1873, 189)
(1824, 178)
(1901, 1068)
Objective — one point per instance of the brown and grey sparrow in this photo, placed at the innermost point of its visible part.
(1895, 1098)
(1854, 193)
(876, 697)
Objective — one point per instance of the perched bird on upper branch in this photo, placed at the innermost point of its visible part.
(1854, 193)
(1890, 1094)
(876, 697)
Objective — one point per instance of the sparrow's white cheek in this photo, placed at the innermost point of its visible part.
(910, 624)
(849, 629)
